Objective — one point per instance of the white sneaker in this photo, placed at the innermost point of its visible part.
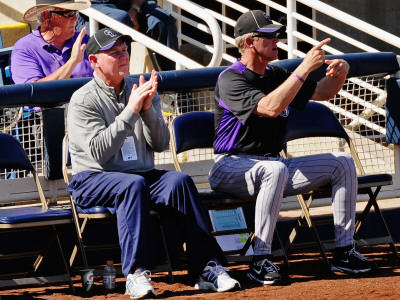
(138, 285)
(214, 277)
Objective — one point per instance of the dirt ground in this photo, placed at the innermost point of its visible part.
(307, 278)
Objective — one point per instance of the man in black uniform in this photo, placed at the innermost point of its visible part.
(252, 99)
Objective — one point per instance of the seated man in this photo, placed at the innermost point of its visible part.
(252, 99)
(143, 15)
(54, 50)
(114, 128)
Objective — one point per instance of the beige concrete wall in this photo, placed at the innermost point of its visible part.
(15, 9)
(12, 24)
(12, 32)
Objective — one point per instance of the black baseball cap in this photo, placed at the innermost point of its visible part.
(256, 21)
(103, 40)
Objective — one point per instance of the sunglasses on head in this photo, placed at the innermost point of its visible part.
(270, 36)
(65, 13)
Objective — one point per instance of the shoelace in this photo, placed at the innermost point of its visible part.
(142, 277)
(219, 270)
(357, 254)
(268, 265)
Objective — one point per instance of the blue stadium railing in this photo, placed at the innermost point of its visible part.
(51, 95)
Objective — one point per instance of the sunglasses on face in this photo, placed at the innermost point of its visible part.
(65, 13)
(269, 36)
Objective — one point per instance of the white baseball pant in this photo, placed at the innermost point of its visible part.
(269, 179)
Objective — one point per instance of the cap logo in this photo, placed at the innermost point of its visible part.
(285, 113)
(266, 16)
(110, 33)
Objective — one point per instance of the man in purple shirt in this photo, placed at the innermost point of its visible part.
(54, 50)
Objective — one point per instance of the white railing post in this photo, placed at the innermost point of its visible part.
(167, 6)
(213, 25)
(223, 29)
(179, 30)
(170, 8)
(267, 10)
(181, 61)
(97, 16)
(314, 18)
(93, 25)
(291, 27)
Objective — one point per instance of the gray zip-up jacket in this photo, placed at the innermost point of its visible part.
(99, 122)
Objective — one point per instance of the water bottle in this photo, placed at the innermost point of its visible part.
(109, 275)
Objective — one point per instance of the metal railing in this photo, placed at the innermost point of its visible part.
(212, 28)
(362, 125)
(293, 17)
(210, 21)
(290, 45)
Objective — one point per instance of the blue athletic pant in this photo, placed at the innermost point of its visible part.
(131, 196)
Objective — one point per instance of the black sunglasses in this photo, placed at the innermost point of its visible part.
(270, 36)
(65, 13)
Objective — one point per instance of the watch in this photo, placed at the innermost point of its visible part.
(137, 8)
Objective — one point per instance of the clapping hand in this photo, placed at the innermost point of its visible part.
(141, 97)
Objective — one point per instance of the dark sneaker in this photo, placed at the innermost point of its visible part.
(348, 260)
(264, 271)
(215, 278)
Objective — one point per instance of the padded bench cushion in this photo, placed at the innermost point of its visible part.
(374, 180)
(217, 200)
(33, 214)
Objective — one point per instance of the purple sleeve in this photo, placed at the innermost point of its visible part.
(24, 65)
(32, 59)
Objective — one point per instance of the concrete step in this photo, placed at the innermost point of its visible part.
(13, 31)
(12, 25)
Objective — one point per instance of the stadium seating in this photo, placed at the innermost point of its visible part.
(34, 217)
(194, 131)
(83, 217)
(317, 120)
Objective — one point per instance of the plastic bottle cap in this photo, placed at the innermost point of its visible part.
(109, 262)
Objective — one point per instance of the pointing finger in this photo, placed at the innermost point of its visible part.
(321, 44)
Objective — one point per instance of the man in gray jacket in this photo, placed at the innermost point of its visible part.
(114, 127)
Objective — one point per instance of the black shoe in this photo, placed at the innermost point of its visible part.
(348, 260)
(264, 271)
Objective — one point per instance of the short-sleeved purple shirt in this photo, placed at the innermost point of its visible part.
(33, 58)
(237, 93)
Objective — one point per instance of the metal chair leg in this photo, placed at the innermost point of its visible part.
(165, 247)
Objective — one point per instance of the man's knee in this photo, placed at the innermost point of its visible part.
(345, 160)
(178, 178)
(134, 183)
(275, 169)
(122, 16)
(114, 12)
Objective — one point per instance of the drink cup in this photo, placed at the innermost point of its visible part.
(87, 279)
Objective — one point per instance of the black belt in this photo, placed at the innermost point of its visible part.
(257, 154)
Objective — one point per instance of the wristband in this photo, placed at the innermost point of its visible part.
(298, 77)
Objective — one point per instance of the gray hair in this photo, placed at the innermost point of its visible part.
(39, 14)
(240, 40)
